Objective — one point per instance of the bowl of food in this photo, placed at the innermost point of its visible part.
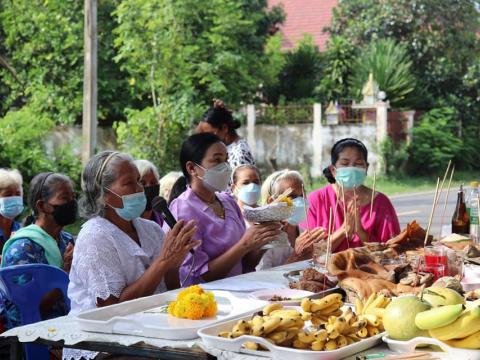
(285, 296)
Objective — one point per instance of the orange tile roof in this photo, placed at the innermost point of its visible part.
(305, 16)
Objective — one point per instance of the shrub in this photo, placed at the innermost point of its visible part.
(435, 141)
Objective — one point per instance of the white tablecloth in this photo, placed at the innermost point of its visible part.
(67, 329)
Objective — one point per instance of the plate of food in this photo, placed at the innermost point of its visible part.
(175, 316)
(284, 296)
(322, 329)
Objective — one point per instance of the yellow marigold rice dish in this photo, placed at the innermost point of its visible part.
(193, 303)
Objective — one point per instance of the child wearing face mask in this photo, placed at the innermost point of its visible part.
(227, 247)
(246, 186)
(301, 244)
(346, 174)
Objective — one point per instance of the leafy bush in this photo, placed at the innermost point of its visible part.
(391, 67)
(435, 141)
(22, 139)
(156, 134)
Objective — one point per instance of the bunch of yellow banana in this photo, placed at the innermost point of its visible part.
(462, 327)
(322, 309)
(278, 325)
(372, 312)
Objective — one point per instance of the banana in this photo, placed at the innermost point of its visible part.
(371, 319)
(325, 302)
(271, 324)
(306, 304)
(321, 335)
(225, 334)
(438, 317)
(369, 301)
(342, 341)
(306, 316)
(250, 345)
(330, 345)
(318, 345)
(297, 344)
(278, 336)
(378, 312)
(376, 302)
(286, 313)
(372, 331)
(332, 308)
(305, 337)
(467, 324)
(340, 325)
(358, 305)
(257, 330)
(333, 334)
(362, 333)
(470, 342)
(271, 307)
(242, 327)
(287, 323)
(291, 333)
(257, 320)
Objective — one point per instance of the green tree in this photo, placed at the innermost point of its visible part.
(338, 59)
(391, 68)
(440, 36)
(435, 141)
(301, 71)
(43, 46)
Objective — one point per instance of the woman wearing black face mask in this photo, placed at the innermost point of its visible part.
(150, 179)
(54, 206)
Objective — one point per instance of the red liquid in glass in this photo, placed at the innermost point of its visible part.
(437, 259)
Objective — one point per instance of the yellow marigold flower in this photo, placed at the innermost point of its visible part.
(194, 311)
(211, 310)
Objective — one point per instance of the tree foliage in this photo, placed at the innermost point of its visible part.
(391, 68)
(440, 36)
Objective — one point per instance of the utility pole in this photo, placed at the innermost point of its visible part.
(89, 122)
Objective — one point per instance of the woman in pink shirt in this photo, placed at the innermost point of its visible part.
(348, 171)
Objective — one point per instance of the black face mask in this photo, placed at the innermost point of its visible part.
(150, 193)
(65, 214)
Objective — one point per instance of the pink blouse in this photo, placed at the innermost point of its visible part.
(381, 227)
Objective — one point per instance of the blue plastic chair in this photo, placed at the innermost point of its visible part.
(27, 296)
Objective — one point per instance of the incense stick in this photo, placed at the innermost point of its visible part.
(443, 180)
(446, 199)
(355, 210)
(329, 244)
(305, 207)
(431, 213)
(373, 193)
(345, 214)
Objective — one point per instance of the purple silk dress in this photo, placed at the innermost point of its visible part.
(217, 235)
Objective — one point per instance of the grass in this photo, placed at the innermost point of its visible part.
(408, 184)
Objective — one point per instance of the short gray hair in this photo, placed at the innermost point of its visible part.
(99, 173)
(144, 166)
(10, 177)
(167, 182)
(270, 186)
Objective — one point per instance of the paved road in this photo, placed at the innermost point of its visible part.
(417, 206)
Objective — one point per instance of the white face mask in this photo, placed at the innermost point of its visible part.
(216, 178)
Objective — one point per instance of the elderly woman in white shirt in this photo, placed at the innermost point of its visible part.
(118, 255)
(301, 244)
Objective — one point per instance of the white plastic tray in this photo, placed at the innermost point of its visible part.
(409, 347)
(144, 316)
(209, 336)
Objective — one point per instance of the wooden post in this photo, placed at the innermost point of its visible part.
(317, 143)
(89, 123)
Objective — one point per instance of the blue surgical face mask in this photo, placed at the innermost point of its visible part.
(11, 206)
(133, 205)
(351, 176)
(298, 215)
(249, 194)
